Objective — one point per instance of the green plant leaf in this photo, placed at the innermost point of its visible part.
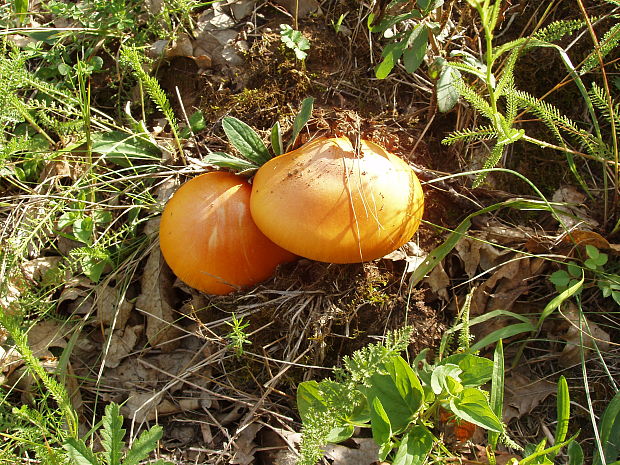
(79, 453)
(340, 433)
(563, 412)
(417, 43)
(381, 427)
(575, 454)
(445, 378)
(400, 392)
(302, 118)
(124, 149)
(197, 123)
(609, 432)
(112, 434)
(558, 300)
(391, 54)
(276, 139)
(540, 453)
(83, 229)
(309, 400)
(245, 140)
(503, 333)
(472, 405)
(447, 93)
(143, 446)
(415, 446)
(225, 160)
(476, 371)
(496, 402)
(560, 279)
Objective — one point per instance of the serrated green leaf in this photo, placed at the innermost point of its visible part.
(415, 446)
(417, 43)
(302, 118)
(143, 446)
(472, 405)
(245, 140)
(112, 434)
(79, 453)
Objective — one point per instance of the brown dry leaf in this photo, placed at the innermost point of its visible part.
(44, 335)
(244, 445)
(524, 395)
(411, 252)
(74, 288)
(122, 343)
(574, 213)
(142, 406)
(154, 301)
(36, 269)
(109, 311)
(365, 454)
(581, 333)
(439, 281)
(301, 8)
(582, 237)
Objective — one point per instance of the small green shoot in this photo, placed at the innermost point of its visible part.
(294, 40)
(237, 335)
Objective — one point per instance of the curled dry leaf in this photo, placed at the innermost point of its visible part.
(524, 395)
(438, 280)
(581, 333)
(411, 252)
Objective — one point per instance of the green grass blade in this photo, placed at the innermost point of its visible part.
(609, 430)
(559, 300)
(497, 389)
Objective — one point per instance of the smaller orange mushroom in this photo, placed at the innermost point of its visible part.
(209, 240)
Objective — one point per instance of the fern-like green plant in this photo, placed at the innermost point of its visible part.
(131, 58)
(502, 101)
(112, 434)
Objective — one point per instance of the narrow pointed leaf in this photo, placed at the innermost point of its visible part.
(563, 411)
(301, 120)
(226, 160)
(497, 389)
(276, 139)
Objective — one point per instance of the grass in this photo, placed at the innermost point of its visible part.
(83, 185)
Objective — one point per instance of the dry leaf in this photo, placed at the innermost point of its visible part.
(300, 8)
(109, 311)
(439, 281)
(411, 252)
(589, 336)
(154, 302)
(574, 213)
(365, 454)
(524, 395)
(122, 343)
(244, 445)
